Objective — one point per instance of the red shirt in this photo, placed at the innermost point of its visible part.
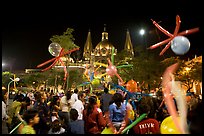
(147, 126)
(95, 122)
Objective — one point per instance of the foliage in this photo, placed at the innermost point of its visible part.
(6, 78)
(66, 41)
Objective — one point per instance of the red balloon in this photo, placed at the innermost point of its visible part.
(131, 86)
(171, 36)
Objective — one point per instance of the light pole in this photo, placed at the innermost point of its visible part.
(12, 80)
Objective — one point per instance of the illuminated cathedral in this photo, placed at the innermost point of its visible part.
(104, 49)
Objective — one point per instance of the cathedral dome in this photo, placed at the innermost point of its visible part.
(103, 48)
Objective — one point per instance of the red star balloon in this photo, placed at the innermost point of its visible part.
(56, 59)
(171, 36)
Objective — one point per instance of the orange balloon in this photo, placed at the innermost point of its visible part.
(131, 86)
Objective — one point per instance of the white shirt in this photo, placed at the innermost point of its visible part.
(74, 97)
(78, 105)
(4, 115)
(64, 104)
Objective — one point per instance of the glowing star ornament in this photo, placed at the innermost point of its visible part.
(56, 50)
(174, 38)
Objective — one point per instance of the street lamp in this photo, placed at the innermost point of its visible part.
(12, 80)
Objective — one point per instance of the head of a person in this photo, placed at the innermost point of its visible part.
(146, 105)
(20, 97)
(73, 114)
(31, 116)
(68, 94)
(40, 96)
(56, 125)
(76, 90)
(81, 95)
(93, 100)
(105, 90)
(4, 95)
(117, 99)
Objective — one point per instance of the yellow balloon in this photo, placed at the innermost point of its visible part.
(168, 127)
(107, 131)
(131, 114)
(112, 92)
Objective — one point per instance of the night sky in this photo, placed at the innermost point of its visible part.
(27, 28)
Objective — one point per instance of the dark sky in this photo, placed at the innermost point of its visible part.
(27, 27)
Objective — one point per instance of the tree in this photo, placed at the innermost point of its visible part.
(146, 67)
(6, 78)
(190, 72)
(66, 41)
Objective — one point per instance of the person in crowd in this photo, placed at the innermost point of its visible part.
(74, 96)
(54, 107)
(65, 106)
(79, 104)
(56, 127)
(5, 117)
(31, 118)
(41, 105)
(194, 117)
(76, 125)
(15, 112)
(117, 115)
(94, 121)
(148, 125)
(105, 99)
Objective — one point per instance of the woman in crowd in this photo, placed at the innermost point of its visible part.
(93, 117)
(41, 105)
(117, 115)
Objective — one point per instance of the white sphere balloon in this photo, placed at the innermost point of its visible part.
(180, 45)
(54, 49)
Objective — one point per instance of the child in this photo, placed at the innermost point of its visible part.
(56, 128)
(31, 118)
(76, 125)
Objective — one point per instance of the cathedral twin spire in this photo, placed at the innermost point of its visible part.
(88, 47)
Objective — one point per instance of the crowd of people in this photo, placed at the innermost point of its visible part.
(82, 112)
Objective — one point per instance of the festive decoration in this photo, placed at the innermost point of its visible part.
(180, 45)
(56, 50)
(131, 86)
(168, 127)
(134, 123)
(172, 36)
(171, 89)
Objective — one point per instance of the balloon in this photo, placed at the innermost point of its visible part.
(131, 86)
(111, 70)
(112, 92)
(124, 66)
(54, 49)
(107, 131)
(131, 114)
(134, 123)
(112, 55)
(170, 87)
(180, 45)
(181, 104)
(95, 82)
(168, 127)
(101, 64)
(181, 51)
